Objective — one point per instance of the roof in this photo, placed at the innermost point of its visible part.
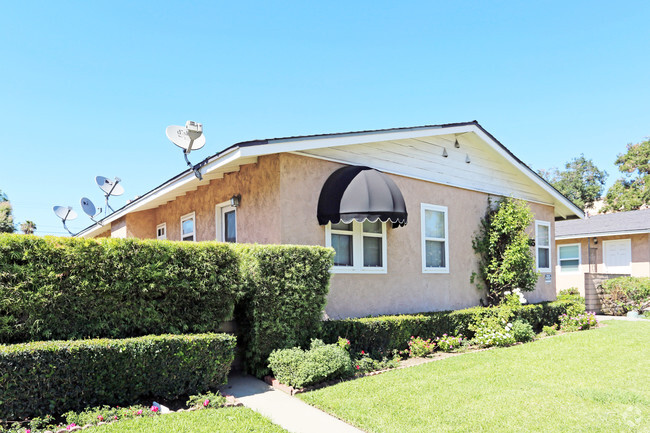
(232, 157)
(618, 223)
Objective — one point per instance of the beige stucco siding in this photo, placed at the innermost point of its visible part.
(640, 265)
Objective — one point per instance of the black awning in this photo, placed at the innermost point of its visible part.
(360, 193)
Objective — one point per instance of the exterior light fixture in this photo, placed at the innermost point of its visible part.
(444, 152)
(595, 241)
(235, 200)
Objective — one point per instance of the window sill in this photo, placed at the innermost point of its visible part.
(435, 270)
(342, 270)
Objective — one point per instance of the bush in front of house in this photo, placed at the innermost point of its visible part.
(627, 293)
(388, 333)
(522, 331)
(47, 377)
(285, 291)
(320, 363)
(68, 288)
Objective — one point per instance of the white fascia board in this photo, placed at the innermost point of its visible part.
(529, 173)
(603, 234)
(302, 144)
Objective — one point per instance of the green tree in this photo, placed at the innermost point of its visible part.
(633, 190)
(28, 227)
(581, 181)
(506, 259)
(6, 217)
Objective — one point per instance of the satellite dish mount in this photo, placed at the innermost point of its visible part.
(90, 210)
(110, 187)
(189, 138)
(65, 213)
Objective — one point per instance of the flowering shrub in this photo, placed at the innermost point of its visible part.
(492, 327)
(522, 332)
(366, 364)
(420, 347)
(577, 323)
(208, 400)
(344, 344)
(449, 343)
(550, 330)
(106, 413)
(513, 299)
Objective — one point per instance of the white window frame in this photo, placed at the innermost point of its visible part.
(357, 250)
(164, 235)
(433, 270)
(559, 260)
(537, 246)
(189, 216)
(628, 241)
(219, 210)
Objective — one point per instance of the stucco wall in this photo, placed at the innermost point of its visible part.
(640, 266)
(404, 288)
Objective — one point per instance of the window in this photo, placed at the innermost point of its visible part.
(161, 231)
(359, 247)
(543, 245)
(569, 258)
(226, 222)
(435, 243)
(187, 227)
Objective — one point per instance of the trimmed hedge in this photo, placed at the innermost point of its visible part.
(56, 376)
(285, 292)
(67, 288)
(387, 333)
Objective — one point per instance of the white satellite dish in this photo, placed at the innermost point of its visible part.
(189, 137)
(110, 187)
(89, 209)
(65, 213)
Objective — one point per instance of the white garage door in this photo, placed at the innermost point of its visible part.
(618, 256)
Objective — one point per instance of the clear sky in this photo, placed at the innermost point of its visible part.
(87, 88)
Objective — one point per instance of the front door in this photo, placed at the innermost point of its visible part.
(618, 256)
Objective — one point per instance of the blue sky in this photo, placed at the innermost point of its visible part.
(87, 88)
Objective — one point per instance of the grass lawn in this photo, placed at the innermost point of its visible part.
(588, 381)
(230, 420)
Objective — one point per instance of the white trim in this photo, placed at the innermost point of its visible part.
(423, 239)
(603, 234)
(164, 235)
(537, 246)
(219, 210)
(358, 234)
(186, 217)
(620, 269)
(559, 260)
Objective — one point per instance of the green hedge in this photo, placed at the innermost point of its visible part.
(52, 377)
(285, 290)
(67, 288)
(387, 333)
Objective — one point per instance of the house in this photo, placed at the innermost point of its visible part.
(399, 206)
(600, 247)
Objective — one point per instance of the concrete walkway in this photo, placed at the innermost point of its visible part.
(604, 317)
(288, 412)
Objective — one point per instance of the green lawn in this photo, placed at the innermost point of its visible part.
(227, 420)
(589, 381)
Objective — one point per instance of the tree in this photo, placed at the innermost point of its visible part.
(28, 227)
(6, 218)
(633, 190)
(582, 182)
(506, 259)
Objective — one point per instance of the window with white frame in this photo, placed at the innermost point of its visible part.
(543, 245)
(226, 222)
(435, 239)
(188, 229)
(359, 247)
(161, 231)
(568, 257)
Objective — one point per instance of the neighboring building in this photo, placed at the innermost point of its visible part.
(614, 243)
(355, 192)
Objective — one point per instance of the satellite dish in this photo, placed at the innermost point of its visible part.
(65, 213)
(189, 137)
(89, 209)
(110, 187)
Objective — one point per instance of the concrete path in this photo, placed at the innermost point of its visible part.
(288, 412)
(604, 317)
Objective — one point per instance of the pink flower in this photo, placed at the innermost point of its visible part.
(115, 417)
(362, 352)
(206, 403)
(101, 418)
(70, 426)
(154, 409)
(358, 367)
(28, 430)
(139, 412)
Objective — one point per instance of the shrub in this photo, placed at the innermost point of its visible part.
(285, 293)
(67, 288)
(106, 413)
(506, 260)
(522, 331)
(629, 293)
(578, 323)
(449, 343)
(58, 376)
(300, 368)
(492, 327)
(366, 364)
(388, 333)
(550, 330)
(206, 400)
(419, 347)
